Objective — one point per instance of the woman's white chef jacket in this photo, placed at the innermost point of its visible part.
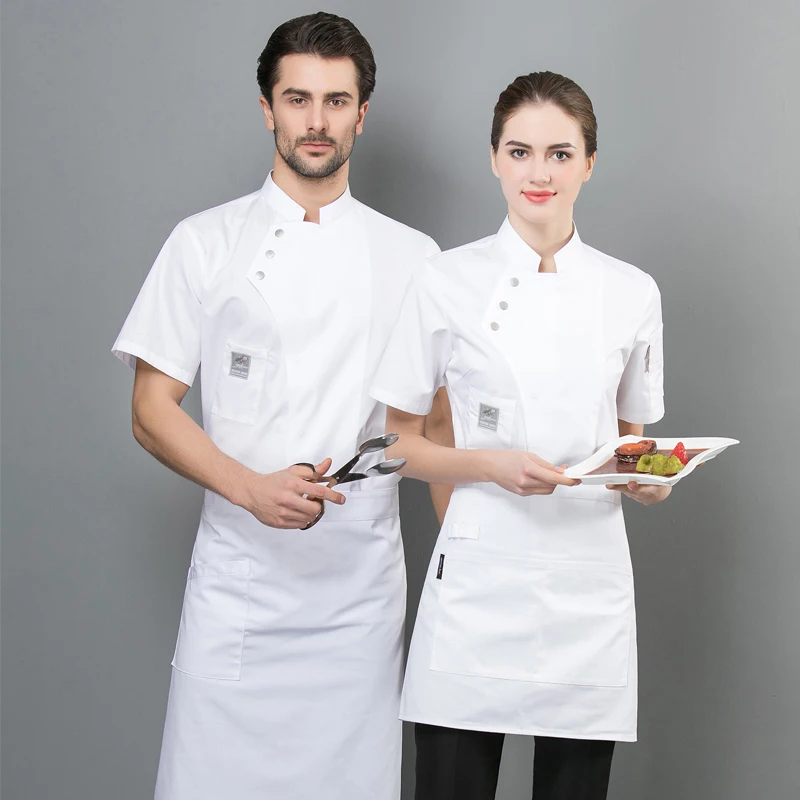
(526, 623)
(287, 669)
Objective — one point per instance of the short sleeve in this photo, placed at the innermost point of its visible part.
(163, 327)
(419, 349)
(640, 397)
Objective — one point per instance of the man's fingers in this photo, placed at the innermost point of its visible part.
(304, 507)
(301, 471)
(321, 492)
(324, 466)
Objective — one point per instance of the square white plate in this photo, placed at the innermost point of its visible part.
(713, 447)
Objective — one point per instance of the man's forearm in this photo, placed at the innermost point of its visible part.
(167, 432)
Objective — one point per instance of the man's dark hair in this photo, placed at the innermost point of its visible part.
(323, 35)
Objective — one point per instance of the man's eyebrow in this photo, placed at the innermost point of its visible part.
(561, 146)
(305, 93)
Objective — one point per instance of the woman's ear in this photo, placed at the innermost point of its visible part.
(589, 166)
(493, 157)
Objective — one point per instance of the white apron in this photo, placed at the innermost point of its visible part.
(526, 623)
(287, 668)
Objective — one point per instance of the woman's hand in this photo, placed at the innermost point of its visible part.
(524, 473)
(642, 493)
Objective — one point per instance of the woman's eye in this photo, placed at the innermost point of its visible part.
(518, 153)
(560, 155)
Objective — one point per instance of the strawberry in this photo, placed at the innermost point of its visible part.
(680, 452)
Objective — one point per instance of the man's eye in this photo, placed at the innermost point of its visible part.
(298, 100)
(337, 102)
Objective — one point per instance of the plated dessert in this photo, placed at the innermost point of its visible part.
(644, 457)
(659, 461)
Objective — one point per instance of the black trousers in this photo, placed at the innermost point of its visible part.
(464, 765)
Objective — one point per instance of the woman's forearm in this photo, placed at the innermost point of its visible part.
(435, 463)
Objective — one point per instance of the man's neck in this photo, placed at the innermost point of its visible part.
(311, 193)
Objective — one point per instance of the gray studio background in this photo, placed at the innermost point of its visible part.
(119, 119)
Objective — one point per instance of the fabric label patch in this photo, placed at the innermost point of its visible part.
(488, 417)
(441, 567)
(240, 365)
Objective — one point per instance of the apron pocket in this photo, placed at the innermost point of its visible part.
(240, 383)
(213, 620)
(531, 620)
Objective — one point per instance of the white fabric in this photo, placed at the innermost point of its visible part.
(288, 663)
(527, 622)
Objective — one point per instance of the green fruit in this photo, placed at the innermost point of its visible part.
(674, 465)
(644, 463)
(659, 466)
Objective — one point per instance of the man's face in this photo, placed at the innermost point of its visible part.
(315, 114)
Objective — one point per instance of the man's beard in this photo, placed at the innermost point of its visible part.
(320, 167)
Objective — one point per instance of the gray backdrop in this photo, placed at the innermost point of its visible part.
(121, 118)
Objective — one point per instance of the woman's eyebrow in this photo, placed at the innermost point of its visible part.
(561, 146)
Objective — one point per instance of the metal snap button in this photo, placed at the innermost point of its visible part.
(515, 281)
(495, 327)
(279, 232)
(270, 254)
(259, 276)
(503, 305)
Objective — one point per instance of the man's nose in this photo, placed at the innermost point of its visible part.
(317, 120)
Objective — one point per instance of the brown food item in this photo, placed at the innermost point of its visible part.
(631, 452)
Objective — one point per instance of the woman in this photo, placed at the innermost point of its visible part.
(547, 349)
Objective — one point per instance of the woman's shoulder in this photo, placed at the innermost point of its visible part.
(621, 270)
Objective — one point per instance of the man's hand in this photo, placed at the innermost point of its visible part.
(642, 493)
(288, 499)
(524, 473)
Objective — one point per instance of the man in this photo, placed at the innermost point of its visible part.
(287, 668)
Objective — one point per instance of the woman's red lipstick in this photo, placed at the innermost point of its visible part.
(539, 197)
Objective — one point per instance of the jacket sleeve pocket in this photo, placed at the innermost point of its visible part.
(213, 620)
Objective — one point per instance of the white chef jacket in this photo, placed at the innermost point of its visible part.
(287, 669)
(527, 623)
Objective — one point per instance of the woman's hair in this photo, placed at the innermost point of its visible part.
(323, 35)
(539, 88)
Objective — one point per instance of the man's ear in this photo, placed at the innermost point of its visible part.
(361, 114)
(266, 109)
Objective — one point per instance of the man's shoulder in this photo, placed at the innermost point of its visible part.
(223, 215)
(395, 232)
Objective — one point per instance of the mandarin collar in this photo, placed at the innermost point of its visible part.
(290, 211)
(513, 248)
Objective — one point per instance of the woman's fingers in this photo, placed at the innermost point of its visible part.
(548, 474)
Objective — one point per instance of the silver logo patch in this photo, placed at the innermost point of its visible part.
(488, 417)
(240, 365)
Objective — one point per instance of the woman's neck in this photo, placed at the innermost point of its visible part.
(544, 239)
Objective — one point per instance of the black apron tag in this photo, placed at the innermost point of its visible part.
(441, 567)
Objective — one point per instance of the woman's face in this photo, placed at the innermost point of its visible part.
(541, 163)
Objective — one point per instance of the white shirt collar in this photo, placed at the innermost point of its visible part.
(290, 211)
(515, 250)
